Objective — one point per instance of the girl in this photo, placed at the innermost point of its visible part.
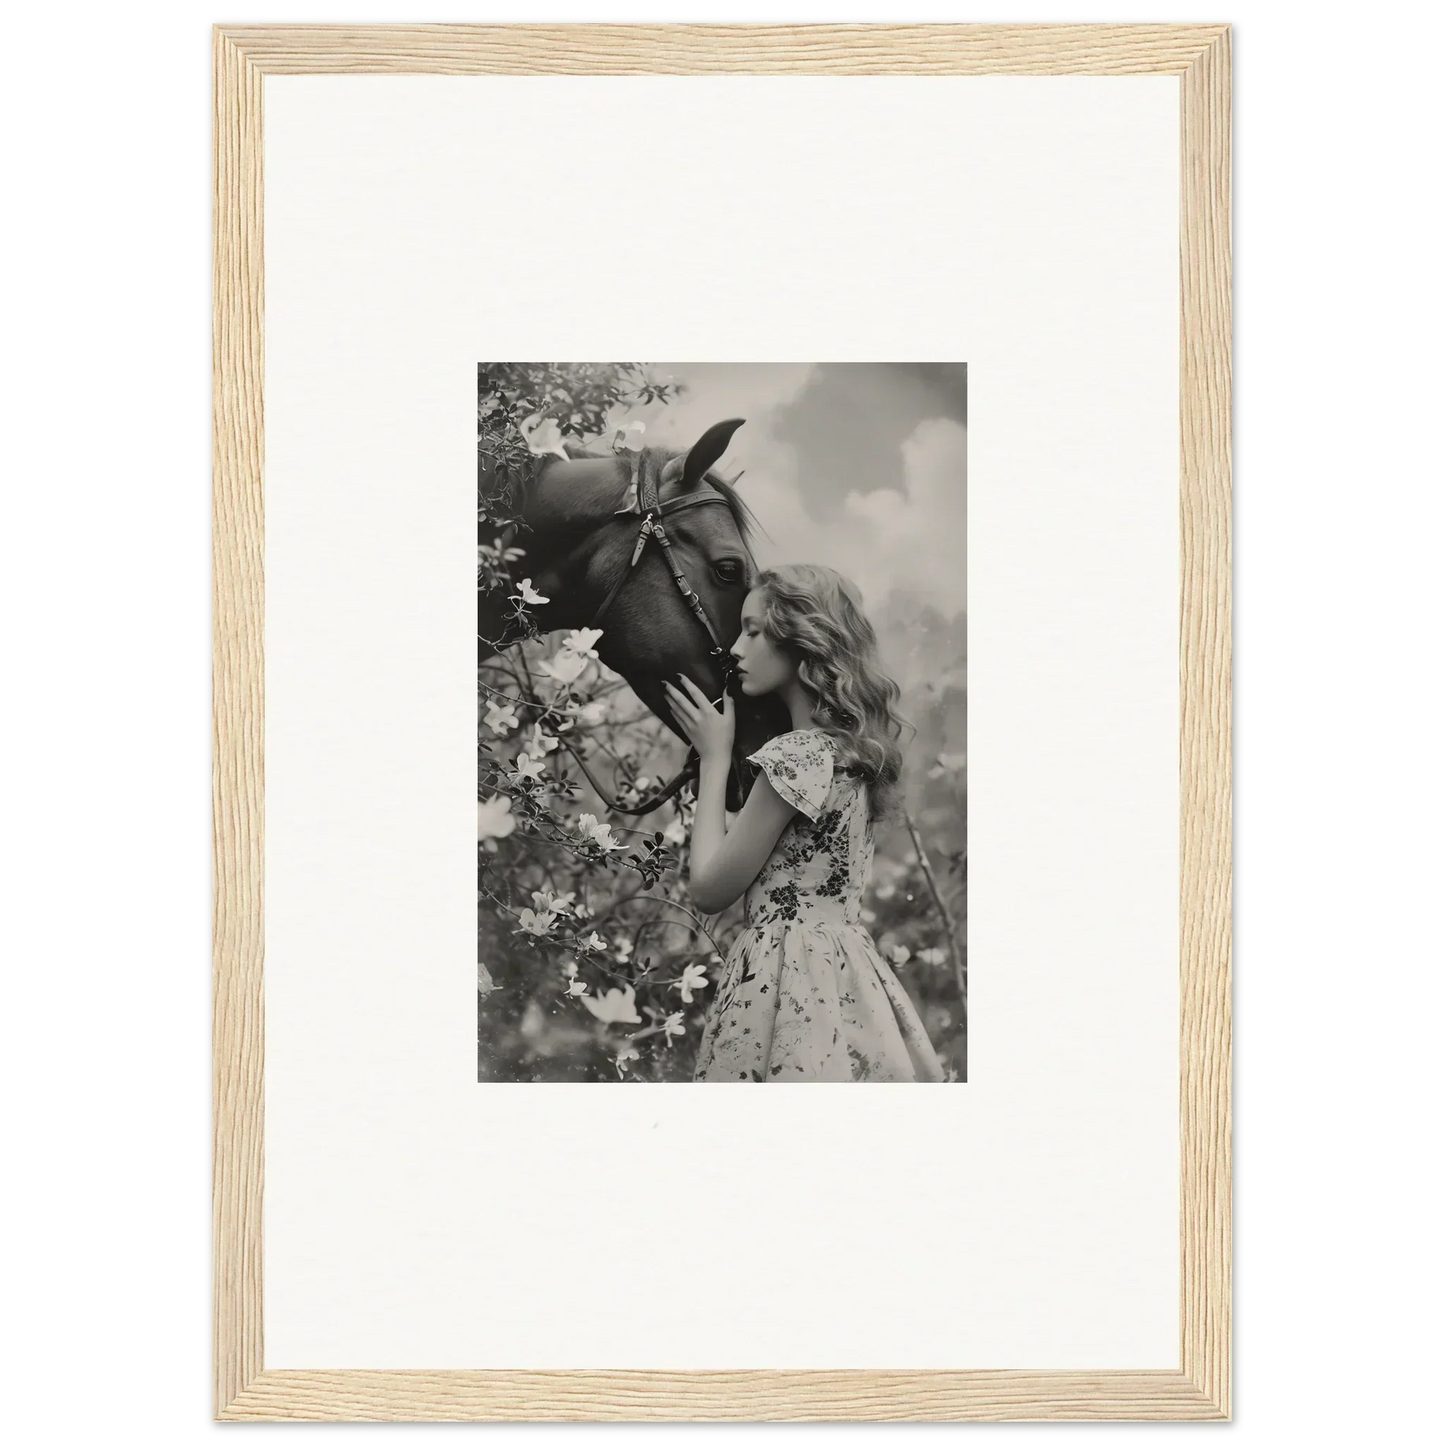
(804, 994)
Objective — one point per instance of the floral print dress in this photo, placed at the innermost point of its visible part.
(804, 995)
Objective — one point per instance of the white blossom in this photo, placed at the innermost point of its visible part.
(693, 976)
(539, 925)
(495, 554)
(494, 818)
(598, 833)
(593, 713)
(527, 593)
(543, 437)
(616, 1006)
(628, 438)
(582, 641)
(541, 743)
(564, 668)
(501, 717)
(602, 837)
(528, 768)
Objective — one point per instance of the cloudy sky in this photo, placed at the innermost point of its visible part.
(859, 466)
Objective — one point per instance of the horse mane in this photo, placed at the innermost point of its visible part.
(742, 514)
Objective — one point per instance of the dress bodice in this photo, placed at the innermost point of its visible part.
(818, 868)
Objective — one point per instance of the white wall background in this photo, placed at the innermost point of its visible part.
(1054, 1175)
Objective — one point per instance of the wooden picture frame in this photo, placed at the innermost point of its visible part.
(1199, 1389)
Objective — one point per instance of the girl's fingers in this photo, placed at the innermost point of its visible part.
(680, 706)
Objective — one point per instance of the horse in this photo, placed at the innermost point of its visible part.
(589, 523)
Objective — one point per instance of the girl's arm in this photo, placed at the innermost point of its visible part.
(723, 860)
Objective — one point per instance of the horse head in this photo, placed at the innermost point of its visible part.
(584, 517)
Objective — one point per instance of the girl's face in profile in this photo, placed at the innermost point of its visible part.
(762, 666)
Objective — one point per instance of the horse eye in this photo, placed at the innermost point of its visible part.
(729, 570)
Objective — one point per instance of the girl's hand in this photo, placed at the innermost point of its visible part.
(707, 729)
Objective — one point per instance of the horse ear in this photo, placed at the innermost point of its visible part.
(706, 450)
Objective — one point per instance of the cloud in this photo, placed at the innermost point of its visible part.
(913, 541)
(717, 391)
(917, 539)
(909, 538)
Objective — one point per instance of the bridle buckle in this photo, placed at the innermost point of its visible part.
(644, 532)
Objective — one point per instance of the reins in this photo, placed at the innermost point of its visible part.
(656, 800)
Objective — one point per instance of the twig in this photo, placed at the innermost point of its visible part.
(615, 805)
(955, 951)
(668, 903)
(520, 656)
(512, 697)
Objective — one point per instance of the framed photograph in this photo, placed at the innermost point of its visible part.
(823, 938)
(848, 701)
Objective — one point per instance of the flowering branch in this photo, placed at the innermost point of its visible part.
(955, 950)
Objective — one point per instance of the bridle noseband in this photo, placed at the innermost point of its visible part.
(643, 498)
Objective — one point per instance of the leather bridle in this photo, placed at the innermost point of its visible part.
(642, 495)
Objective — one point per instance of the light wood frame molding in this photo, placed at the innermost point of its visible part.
(1200, 1388)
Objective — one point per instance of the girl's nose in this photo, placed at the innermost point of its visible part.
(737, 648)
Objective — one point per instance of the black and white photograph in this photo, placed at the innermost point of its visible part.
(722, 722)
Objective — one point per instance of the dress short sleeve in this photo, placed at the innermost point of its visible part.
(799, 765)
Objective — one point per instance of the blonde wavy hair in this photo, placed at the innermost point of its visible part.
(815, 616)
